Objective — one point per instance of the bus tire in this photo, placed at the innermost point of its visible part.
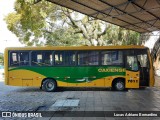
(119, 85)
(49, 85)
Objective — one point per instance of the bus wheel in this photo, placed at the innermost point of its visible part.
(119, 85)
(49, 85)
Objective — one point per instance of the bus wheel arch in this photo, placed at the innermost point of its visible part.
(118, 84)
(49, 84)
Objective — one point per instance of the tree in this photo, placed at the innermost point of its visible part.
(116, 35)
(33, 22)
(1, 59)
(64, 37)
(28, 21)
(38, 22)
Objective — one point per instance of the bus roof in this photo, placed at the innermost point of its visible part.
(78, 47)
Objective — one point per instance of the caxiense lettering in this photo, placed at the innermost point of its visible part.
(111, 70)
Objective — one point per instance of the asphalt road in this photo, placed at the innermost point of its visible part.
(89, 99)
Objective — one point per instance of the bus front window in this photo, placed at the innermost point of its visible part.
(132, 63)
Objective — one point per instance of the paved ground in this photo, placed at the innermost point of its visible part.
(98, 100)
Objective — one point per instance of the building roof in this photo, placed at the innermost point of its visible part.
(138, 15)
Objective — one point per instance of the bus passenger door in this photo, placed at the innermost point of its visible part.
(144, 67)
(132, 72)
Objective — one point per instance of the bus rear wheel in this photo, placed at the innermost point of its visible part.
(49, 85)
(119, 85)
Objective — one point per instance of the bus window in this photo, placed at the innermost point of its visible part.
(112, 58)
(14, 59)
(59, 58)
(143, 59)
(37, 58)
(93, 58)
(70, 58)
(24, 58)
(83, 58)
(47, 58)
(19, 59)
(88, 58)
(132, 63)
(42, 58)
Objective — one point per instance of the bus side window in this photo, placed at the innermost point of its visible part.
(112, 58)
(59, 58)
(48, 58)
(14, 59)
(93, 58)
(83, 58)
(36, 58)
(24, 58)
(70, 58)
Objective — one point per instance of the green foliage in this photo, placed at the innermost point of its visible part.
(39, 23)
(64, 37)
(1, 59)
(119, 36)
(29, 20)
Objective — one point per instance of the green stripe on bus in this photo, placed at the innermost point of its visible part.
(73, 73)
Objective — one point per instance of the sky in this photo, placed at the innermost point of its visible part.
(7, 38)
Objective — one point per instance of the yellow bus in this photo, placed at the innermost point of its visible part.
(119, 67)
